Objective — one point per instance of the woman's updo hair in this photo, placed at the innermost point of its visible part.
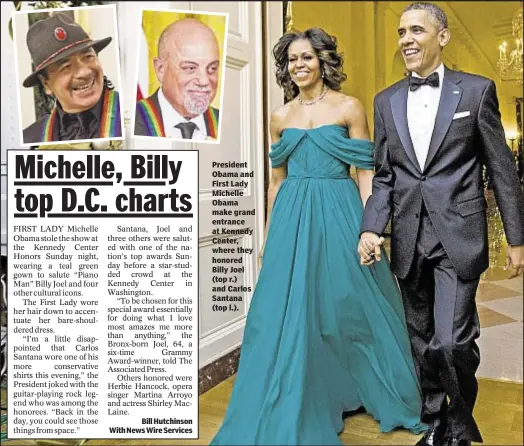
(325, 46)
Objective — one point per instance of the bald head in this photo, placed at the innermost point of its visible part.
(187, 66)
(183, 32)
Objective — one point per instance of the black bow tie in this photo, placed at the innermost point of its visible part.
(415, 82)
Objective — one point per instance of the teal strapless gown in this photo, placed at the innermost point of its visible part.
(324, 334)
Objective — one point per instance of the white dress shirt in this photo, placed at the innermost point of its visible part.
(170, 118)
(422, 111)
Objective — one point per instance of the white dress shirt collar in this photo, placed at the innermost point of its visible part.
(170, 118)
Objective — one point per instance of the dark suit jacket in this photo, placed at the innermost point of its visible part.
(450, 185)
(141, 127)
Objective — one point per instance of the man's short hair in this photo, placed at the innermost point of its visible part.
(435, 11)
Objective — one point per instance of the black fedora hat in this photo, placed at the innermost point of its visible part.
(55, 38)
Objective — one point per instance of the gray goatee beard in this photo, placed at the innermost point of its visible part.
(196, 106)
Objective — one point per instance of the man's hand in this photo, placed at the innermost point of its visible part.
(514, 261)
(369, 248)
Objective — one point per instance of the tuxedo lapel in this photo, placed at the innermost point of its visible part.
(399, 108)
(449, 100)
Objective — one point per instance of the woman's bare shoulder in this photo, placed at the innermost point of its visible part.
(280, 112)
(345, 102)
(355, 117)
(350, 102)
(352, 108)
(279, 116)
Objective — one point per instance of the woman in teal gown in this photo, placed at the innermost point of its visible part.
(324, 335)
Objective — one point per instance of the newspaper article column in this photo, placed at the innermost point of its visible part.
(103, 286)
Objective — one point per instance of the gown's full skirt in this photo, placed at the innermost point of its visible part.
(324, 334)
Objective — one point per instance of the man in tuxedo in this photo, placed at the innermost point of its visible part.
(433, 132)
(187, 68)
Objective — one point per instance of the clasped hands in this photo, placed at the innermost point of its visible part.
(370, 244)
(369, 248)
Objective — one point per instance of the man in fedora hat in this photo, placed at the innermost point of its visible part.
(65, 61)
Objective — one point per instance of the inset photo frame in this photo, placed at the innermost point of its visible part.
(68, 76)
(180, 75)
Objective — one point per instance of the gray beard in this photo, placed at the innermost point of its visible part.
(195, 106)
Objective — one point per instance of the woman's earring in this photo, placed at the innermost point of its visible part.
(322, 75)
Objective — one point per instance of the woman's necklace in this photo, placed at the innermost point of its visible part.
(314, 100)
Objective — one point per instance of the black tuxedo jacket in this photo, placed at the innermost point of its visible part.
(450, 184)
(141, 127)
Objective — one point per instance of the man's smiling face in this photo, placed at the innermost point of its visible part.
(421, 41)
(76, 81)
